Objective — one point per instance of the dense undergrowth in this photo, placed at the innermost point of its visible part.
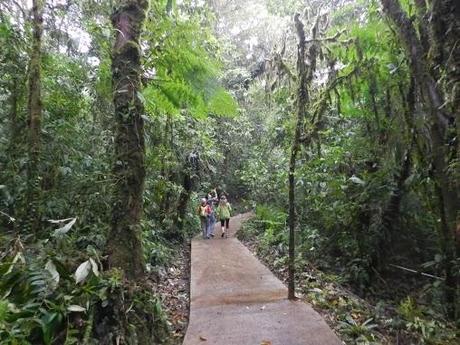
(387, 315)
(57, 291)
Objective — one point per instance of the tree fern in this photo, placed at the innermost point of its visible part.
(185, 73)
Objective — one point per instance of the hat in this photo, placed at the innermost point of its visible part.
(203, 200)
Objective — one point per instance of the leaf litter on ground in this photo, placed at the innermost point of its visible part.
(173, 289)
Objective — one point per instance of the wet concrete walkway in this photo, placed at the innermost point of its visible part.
(235, 300)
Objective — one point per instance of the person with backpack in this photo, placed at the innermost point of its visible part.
(204, 211)
(223, 214)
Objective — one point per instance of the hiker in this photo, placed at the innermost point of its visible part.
(212, 200)
(223, 214)
(203, 212)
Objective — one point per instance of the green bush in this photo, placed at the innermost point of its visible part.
(55, 293)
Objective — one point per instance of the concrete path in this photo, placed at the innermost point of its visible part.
(235, 300)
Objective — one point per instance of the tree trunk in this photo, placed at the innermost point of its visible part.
(302, 99)
(35, 117)
(439, 131)
(445, 33)
(166, 172)
(12, 149)
(14, 100)
(124, 243)
(449, 205)
(184, 198)
(418, 61)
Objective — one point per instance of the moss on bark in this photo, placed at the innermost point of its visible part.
(124, 244)
(35, 117)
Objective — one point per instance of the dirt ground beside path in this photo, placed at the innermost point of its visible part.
(235, 300)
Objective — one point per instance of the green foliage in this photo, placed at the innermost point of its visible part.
(269, 226)
(274, 225)
(156, 250)
(221, 103)
(184, 71)
(361, 332)
(420, 320)
(53, 291)
(63, 83)
(41, 294)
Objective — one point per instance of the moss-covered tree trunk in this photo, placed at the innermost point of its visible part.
(34, 108)
(302, 99)
(428, 79)
(13, 140)
(124, 242)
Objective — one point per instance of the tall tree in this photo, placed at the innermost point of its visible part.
(426, 74)
(124, 244)
(35, 116)
(302, 99)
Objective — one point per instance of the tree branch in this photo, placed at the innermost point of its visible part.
(328, 39)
